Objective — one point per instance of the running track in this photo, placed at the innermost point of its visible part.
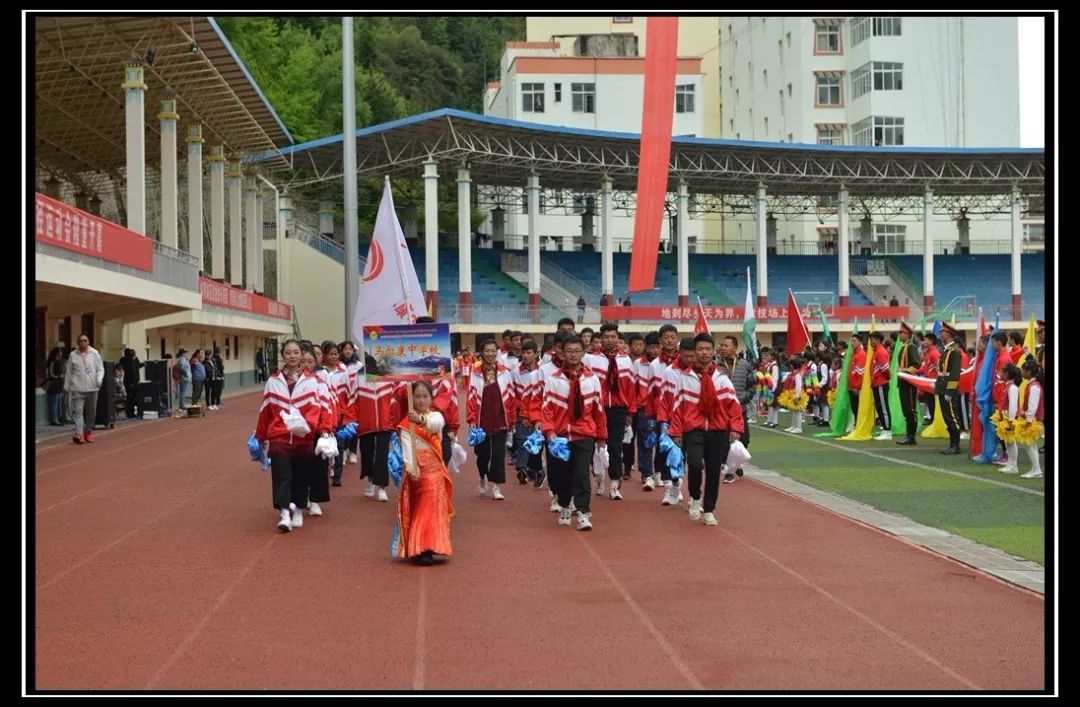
(158, 567)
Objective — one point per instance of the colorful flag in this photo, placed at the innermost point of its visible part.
(841, 407)
(864, 422)
(797, 335)
(702, 324)
(749, 322)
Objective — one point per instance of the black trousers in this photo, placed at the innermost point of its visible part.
(909, 403)
(706, 449)
(313, 481)
(219, 385)
(491, 458)
(853, 396)
(129, 403)
(628, 449)
(929, 400)
(286, 480)
(447, 445)
(570, 479)
(745, 436)
(949, 414)
(881, 406)
(616, 427)
(374, 450)
(963, 408)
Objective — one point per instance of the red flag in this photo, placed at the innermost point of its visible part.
(797, 335)
(658, 107)
(982, 324)
(702, 324)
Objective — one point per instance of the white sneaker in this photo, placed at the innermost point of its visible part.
(583, 522)
(285, 523)
(297, 516)
(649, 484)
(369, 491)
(1009, 470)
(599, 490)
(314, 509)
(1032, 475)
(883, 436)
(564, 516)
(656, 479)
(554, 505)
(678, 495)
(352, 458)
(382, 497)
(616, 494)
(668, 498)
(789, 429)
(695, 509)
(572, 506)
(798, 431)
(483, 487)
(710, 519)
(965, 435)
(496, 493)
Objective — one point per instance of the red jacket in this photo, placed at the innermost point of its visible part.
(378, 406)
(999, 391)
(1027, 397)
(666, 393)
(879, 372)
(654, 386)
(625, 393)
(555, 411)
(446, 402)
(858, 368)
(476, 394)
(686, 414)
(306, 396)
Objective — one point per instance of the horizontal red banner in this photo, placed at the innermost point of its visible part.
(735, 314)
(64, 226)
(222, 295)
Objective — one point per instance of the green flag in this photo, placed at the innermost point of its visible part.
(825, 326)
(841, 409)
(896, 411)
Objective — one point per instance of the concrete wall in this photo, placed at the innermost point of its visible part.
(315, 286)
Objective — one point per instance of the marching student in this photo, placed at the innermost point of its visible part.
(706, 418)
(353, 363)
(291, 450)
(572, 418)
(491, 407)
(635, 349)
(672, 487)
(377, 409)
(879, 384)
(642, 368)
(619, 399)
(668, 353)
(315, 482)
(742, 376)
(530, 467)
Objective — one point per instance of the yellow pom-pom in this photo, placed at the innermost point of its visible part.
(831, 397)
(1027, 432)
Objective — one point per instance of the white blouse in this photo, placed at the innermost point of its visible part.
(435, 423)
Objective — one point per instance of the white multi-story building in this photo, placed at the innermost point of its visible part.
(592, 82)
(911, 81)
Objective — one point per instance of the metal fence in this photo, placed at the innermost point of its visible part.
(170, 266)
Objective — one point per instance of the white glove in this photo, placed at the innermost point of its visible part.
(737, 455)
(600, 461)
(295, 422)
(326, 447)
(628, 435)
(457, 457)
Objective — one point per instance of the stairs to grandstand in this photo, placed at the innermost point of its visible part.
(704, 288)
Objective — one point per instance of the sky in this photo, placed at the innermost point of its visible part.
(1032, 82)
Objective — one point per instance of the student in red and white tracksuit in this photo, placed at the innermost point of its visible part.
(291, 455)
(880, 373)
(651, 393)
(354, 366)
(315, 486)
(341, 387)
(377, 409)
(492, 406)
(535, 401)
(530, 467)
(855, 375)
(705, 418)
(446, 403)
(572, 409)
(645, 412)
(672, 487)
(618, 396)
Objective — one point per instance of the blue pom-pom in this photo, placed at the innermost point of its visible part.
(476, 436)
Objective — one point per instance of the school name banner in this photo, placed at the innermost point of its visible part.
(221, 295)
(408, 352)
(735, 314)
(64, 226)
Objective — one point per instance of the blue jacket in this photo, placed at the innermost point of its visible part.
(198, 373)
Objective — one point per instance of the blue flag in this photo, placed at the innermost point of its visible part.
(984, 388)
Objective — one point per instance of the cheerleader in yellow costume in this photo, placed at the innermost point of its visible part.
(794, 397)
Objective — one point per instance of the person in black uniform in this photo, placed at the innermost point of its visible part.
(947, 386)
(910, 360)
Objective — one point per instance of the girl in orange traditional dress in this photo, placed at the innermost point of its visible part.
(425, 503)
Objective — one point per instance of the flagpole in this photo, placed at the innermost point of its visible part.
(348, 121)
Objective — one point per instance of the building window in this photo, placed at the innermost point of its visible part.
(830, 135)
(861, 81)
(684, 98)
(558, 93)
(860, 30)
(886, 26)
(889, 239)
(1035, 232)
(532, 97)
(827, 239)
(828, 90)
(888, 131)
(622, 20)
(583, 97)
(888, 76)
(827, 39)
(236, 347)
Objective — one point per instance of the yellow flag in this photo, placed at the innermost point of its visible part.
(429, 309)
(1030, 342)
(937, 428)
(864, 421)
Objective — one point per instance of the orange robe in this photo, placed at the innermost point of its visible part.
(425, 505)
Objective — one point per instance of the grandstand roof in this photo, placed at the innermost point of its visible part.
(79, 104)
(504, 152)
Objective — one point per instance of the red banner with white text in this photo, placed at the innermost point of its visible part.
(222, 295)
(735, 314)
(64, 226)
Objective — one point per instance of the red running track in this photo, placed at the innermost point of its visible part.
(158, 566)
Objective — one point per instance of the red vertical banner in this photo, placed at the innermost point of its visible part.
(658, 108)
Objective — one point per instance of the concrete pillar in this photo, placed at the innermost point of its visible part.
(963, 231)
(1017, 248)
(842, 249)
(236, 220)
(928, 251)
(498, 229)
(683, 226)
(195, 192)
(866, 235)
(217, 212)
(135, 125)
(169, 215)
(259, 237)
(252, 235)
(326, 218)
(431, 235)
(762, 250)
(532, 191)
(464, 245)
(607, 248)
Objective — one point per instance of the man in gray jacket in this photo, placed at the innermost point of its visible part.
(83, 376)
(743, 378)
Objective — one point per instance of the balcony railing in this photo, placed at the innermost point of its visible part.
(170, 266)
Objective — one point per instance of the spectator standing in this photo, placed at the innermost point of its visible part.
(83, 377)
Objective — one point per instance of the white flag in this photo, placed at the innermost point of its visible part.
(749, 326)
(389, 291)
